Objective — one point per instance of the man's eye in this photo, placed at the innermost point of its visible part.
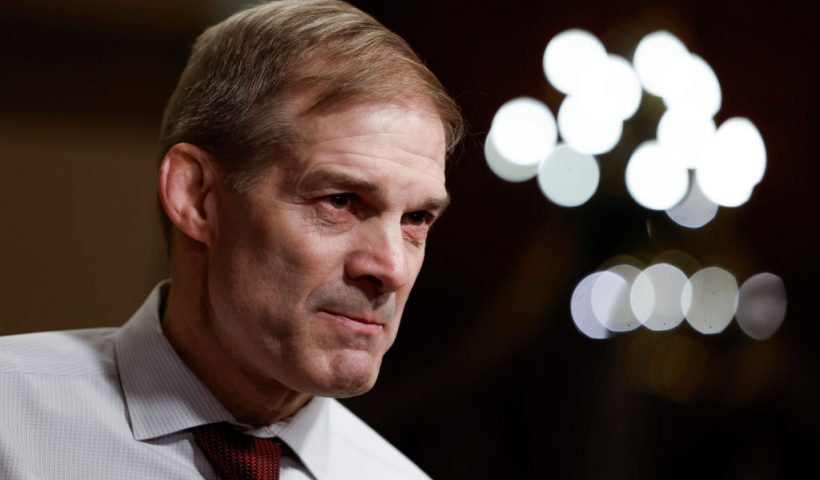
(418, 218)
(341, 201)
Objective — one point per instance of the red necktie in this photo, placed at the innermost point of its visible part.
(237, 456)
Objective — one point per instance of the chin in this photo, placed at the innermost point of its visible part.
(349, 379)
(352, 390)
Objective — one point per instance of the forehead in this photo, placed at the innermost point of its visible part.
(389, 141)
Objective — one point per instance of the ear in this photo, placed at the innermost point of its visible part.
(186, 189)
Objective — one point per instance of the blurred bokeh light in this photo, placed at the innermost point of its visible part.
(622, 297)
(581, 309)
(610, 85)
(524, 131)
(656, 179)
(568, 177)
(610, 302)
(690, 84)
(695, 210)
(761, 305)
(568, 56)
(733, 164)
(654, 55)
(656, 296)
(503, 167)
(709, 300)
(686, 134)
(587, 128)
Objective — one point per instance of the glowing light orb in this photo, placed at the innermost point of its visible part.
(503, 168)
(695, 211)
(733, 164)
(655, 53)
(524, 131)
(745, 140)
(629, 273)
(656, 296)
(686, 134)
(569, 178)
(709, 300)
(691, 84)
(568, 55)
(610, 302)
(761, 305)
(720, 185)
(588, 130)
(611, 85)
(654, 179)
(581, 309)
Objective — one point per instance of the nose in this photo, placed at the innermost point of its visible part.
(379, 260)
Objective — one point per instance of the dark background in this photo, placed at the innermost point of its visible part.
(489, 377)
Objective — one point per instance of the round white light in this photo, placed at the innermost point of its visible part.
(733, 164)
(569, 178)
(761, 305)
(629, 273)
(748, 144)
(611, 85)
(709, 300)
(586, 129)
(654, 179)
(720, 185)
(653, 56)
(695, 210)
(610, 302)
(581, 309)
(686, 134)
(656, 296)
(691, 84)
(524, 131)
(568, 55)
(503, 168)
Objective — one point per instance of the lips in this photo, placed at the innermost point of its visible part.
(365, 319)
(358, 324)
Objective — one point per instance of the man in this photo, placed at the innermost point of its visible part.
(302, 166)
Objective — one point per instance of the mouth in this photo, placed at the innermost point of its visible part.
(361, 324)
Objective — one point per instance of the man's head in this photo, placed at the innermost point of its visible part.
(303, 164)
(248, 77)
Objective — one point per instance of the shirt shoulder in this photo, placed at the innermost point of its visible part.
(70, 352)
(363, 453)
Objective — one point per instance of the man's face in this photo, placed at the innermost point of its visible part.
(309, 272)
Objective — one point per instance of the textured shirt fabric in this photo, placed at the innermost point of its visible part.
(119, 403)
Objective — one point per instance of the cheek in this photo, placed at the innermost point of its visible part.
(415, 260)
(263, 244)
(306, 260)
(275, 265)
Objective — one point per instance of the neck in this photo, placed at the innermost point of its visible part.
(253, 401)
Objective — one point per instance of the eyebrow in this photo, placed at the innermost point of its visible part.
(438, 205)
(349, 182)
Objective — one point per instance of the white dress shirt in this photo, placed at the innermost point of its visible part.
(118, 403)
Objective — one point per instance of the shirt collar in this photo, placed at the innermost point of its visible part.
(163, 396)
